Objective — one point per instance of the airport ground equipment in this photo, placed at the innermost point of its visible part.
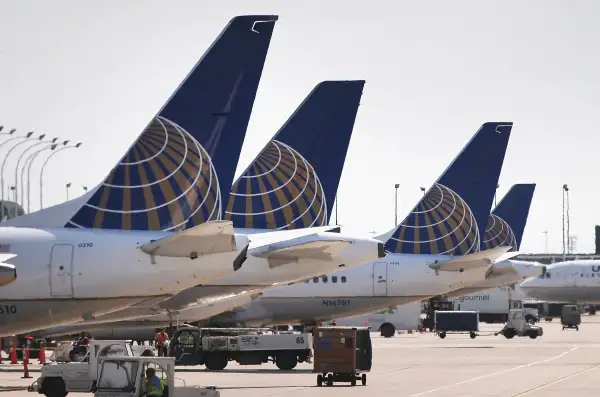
(215, 347)
(58, 379)
(126, 376)
(570, 317)
(342, 354)
(456, 322)
(517, 325)
(434, 304)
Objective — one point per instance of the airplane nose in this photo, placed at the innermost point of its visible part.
(8, 274)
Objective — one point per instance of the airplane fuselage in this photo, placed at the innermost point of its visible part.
(65, 275)
(377, 285)
(567, 282)
(257, 274)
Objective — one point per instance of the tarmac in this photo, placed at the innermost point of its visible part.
(559, 363)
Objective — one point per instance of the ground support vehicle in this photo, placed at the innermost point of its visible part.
(517, 325)
(58, 379)
(126, 377)
(570, 317)
(438, 303)
(456, 322)
(342, 354)
(215, 347)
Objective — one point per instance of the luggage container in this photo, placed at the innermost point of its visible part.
(456, 322)
(570, 317)
(342, 354)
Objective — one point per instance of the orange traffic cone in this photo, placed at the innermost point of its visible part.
(42, 356)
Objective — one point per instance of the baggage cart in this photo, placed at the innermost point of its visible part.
(570, 317)
(342, 354)
(456, 322)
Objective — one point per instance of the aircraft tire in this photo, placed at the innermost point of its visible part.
(387, 330)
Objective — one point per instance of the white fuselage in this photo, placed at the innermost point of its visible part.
(256, 274)
(65, 275)
(575, 281)
(376, 285)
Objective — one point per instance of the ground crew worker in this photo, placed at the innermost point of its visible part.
(160, 340)
(153, 386)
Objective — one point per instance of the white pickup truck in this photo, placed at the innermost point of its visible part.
(58, 379)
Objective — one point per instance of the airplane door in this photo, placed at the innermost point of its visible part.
(380, 279)
(61, 270)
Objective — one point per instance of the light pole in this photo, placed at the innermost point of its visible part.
(423, 190)
(25, 138)
(44, 166)
(397, 185)
(68, 185)
(565, 191)
(28, 163)
(6, 133)
(569, 245)
(496, 191)
(20, 189)
(546, 235)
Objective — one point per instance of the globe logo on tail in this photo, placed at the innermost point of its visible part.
(442, 223)
(166, 181)
(498, 233)
(280, 190)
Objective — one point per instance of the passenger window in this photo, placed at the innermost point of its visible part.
(324, 278)
(334, 279)
(315, 279)
(343, 279)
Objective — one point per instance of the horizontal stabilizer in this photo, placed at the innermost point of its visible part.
(471, 261)
(6, 256)
(299, 249)
(8, 273)
(208, 238)
(507, 256)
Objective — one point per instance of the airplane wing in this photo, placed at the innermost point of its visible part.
(208, 238)
(471, 261)
(8, 273)
(303, 248)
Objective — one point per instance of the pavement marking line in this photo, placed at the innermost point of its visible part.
(497, 373)
(562, 378)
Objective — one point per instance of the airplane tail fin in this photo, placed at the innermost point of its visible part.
(448, 219)
(179, 171)
(507, 221)
(293, 182)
